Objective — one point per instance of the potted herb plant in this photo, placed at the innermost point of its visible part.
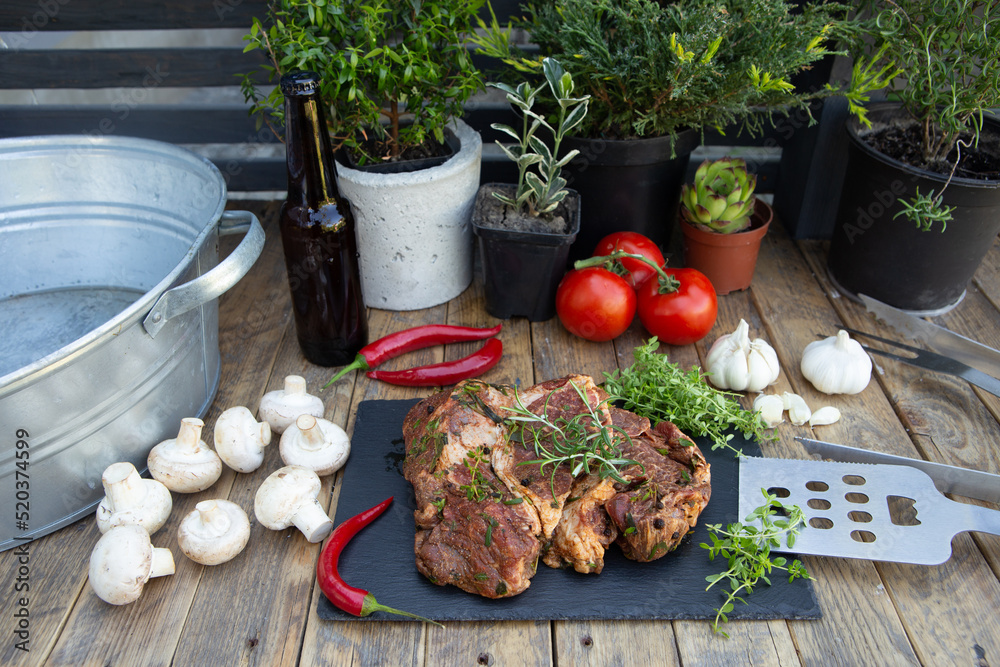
(525, 229)
(723, 223)
(920, 205)
(395, 76)
(659, 74)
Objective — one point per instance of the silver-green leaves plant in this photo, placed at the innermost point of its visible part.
(539, 192)
(721, 198)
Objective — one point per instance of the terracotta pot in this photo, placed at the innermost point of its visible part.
(727, 259)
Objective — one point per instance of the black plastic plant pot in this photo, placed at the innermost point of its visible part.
(631, 185)
(451, 144)
(888, 258)
(522, 269)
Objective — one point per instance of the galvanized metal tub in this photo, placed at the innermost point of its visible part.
(109, 278)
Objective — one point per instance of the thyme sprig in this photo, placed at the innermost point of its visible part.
(478, 487)
(747, 549)
(583, 442)
(659, 390)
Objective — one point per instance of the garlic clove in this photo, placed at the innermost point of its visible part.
(770, 407)
(824, 416)
(798, 410)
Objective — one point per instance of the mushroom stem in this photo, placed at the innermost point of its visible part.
(212, 516)
(313, 522)
(189, 434)
(123, 486)
(162, 563)
(312, 435)
(295, 384)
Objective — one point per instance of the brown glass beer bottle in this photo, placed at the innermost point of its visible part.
(317, 234)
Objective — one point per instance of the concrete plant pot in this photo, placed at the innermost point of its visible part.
(414, 235)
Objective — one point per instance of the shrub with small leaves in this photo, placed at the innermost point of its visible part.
(654, 68)
(398, 70)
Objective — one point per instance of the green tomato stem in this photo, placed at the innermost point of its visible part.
(668, 283)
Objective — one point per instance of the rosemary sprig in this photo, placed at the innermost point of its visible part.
(659, 390)
(583, 442)
(747, 549)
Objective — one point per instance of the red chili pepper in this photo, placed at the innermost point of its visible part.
(353, 600)
(447, 372)
(416, 338)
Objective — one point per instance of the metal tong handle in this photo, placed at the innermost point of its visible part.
(923, 358)
(933, 362)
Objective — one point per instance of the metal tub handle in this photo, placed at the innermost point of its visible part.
(215, 282)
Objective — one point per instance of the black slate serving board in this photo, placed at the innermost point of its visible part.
(380, 559)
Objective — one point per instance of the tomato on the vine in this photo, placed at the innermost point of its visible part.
(637, 271)
(595, 304)
(679, 310)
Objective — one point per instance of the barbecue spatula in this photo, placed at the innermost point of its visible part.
(862, 510)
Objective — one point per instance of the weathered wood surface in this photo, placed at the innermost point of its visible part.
(261, 607)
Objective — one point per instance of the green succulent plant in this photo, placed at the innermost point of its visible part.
(721, 198)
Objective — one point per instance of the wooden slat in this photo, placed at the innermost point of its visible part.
(25, 17)
(225, 124)
(126, 68)
(254, 174)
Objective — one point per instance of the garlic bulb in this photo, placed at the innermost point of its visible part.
(770, 407)
(837, 365)
(798, 410)
(735, 362)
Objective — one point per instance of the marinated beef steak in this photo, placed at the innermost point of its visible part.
(487, 509)
(585, 530)
(546, 486)
(668, 489)
(471, 531)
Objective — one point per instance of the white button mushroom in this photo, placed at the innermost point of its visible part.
(317, 444)
(216, 531)
(280, 408)
(185, 464)
(288, 497)
(130, 500)
(240, 439)
(122, 561)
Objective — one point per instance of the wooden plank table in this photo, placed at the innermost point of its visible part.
(261, 607)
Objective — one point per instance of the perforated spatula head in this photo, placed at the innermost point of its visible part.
(858, 510)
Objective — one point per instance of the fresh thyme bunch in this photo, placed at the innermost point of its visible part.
(747, 549)
(655, 388)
